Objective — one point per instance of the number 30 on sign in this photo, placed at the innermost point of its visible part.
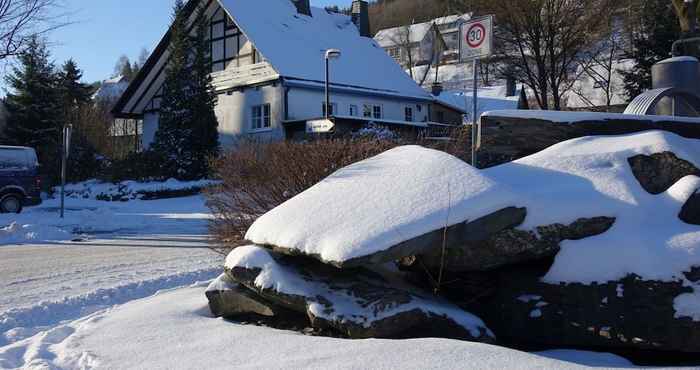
(476, 38)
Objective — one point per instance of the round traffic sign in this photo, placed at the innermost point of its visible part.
(476, 35)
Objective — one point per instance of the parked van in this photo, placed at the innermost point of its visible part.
(20, 183)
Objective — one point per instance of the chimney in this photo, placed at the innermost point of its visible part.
(510, 87)
(360, 16)
(436, 89)
(303, 7)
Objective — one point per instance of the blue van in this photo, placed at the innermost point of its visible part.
(20, 183)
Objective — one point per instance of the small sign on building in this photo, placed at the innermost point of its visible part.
(319, 126)
(476, 41)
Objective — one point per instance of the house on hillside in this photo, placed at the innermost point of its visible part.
(420, 39)
(268, 71)
(111, 89)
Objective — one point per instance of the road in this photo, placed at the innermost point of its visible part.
(44, 283)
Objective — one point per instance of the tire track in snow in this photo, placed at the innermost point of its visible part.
(18, 324)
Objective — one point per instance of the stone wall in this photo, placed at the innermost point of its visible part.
(506, 138)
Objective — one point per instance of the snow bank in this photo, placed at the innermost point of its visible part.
(154, 333)
(591, 177)
(87, 217)
(375, 204)
(128, 190)
(344, 306)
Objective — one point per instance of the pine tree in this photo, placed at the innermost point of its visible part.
(73, 92)
(187, 133)
(74, 96)
(205, 134)
(173, 134)
(656, 30)
(34, 107)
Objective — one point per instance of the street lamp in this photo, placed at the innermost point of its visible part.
(330, 54)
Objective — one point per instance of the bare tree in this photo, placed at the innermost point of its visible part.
(20, 20)
(599, 66)
(542, 41)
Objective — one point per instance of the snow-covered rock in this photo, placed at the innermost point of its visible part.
(360, 213)
(377, 209)
(359, 303)
(228, 298)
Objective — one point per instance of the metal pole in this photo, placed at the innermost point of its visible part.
(328, 93)
(63, 172)
(475, 111)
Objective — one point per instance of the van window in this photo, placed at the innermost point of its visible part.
(15, 159)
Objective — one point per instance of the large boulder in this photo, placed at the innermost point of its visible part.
(394, 205)
(690, 213)
(229, 299)
(506, 246)
(358, 303)
(659, 171)
(630, 313)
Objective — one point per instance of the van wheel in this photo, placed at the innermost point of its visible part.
(11, 203)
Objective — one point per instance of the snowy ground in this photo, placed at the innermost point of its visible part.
(127, 251)
(174, 330)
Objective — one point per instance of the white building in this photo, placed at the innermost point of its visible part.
(421, 38)
(268, 72)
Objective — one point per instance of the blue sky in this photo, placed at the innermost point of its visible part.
(105, 29)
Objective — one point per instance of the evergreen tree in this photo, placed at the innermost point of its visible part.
(34, 106)
(187, 133)
(73, 92)
(205, 133)
(654, 33)
(173, 134)
(74, 96)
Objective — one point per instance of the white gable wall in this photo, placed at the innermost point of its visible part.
(234, 111)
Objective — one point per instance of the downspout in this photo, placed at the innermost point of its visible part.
(285, 102)
(285, 98)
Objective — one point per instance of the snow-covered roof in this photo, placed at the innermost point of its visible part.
(489, 98)
(112, 88)
(396, 35)
(295, 45)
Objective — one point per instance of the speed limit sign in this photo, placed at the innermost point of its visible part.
(476, 38)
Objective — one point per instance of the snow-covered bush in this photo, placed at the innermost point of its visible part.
(132, 190)
(376, 131)
(256, 177)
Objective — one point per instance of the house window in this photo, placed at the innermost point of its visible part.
(334, 109)
(353, 110)
(367, 111)
(599, 85)
(377, 110)
(224, 39)
(409, 114)
(372, 111)
(260, 117)
(394, 52)
(440, 115)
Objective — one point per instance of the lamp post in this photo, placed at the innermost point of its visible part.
(330, 54)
